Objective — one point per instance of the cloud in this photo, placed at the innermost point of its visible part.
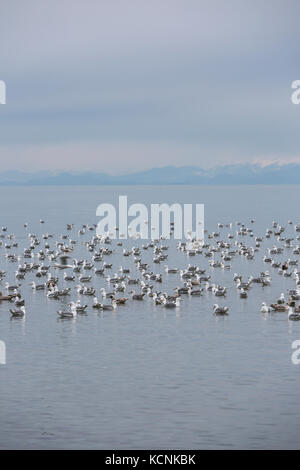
(148, 82)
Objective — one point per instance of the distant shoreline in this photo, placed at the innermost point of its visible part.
(229, 175)
(40, 185)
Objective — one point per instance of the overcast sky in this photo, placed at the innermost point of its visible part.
(124, 85)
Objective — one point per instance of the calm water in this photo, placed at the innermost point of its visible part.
(146, 377)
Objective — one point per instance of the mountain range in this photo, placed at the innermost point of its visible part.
(186, 175)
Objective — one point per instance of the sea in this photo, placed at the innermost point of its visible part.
(143, 376)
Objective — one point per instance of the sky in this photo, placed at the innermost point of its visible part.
(126, 85)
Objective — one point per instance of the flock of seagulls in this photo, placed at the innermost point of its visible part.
(46, 255)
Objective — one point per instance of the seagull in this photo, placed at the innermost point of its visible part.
(195, 292)
(10, 288)
(67, 314)
(37, 286)
(293, 316)
(243, 294)
(120, 300)
(53, 293)
(171, 270)
(106, 294)
(111, 306)
(84, 278)
(19, 275)
(220, 310)
(243, 285)
(279, 307)
(96, 303)
(100, 306)
(265, 281)
(78, 307)
(219, 291)
(18, 313)
(168, 304)
(99, 271)
(135, 296)
(19, 302)
(6, 297)
(281, 299)
(264, 308)
(87, 291)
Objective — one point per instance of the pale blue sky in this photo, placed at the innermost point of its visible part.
(120, 85)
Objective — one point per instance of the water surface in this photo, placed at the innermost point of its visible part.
(145, 377)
